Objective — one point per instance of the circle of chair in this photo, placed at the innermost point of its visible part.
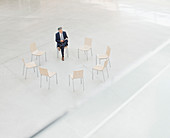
(79, 74)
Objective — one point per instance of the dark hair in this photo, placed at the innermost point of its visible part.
(60, 28)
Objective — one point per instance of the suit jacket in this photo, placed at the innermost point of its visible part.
(57, 38)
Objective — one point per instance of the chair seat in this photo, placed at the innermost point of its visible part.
(98, 67)
(30, 65)
(102, 56)
(85, 48)
(51, 73)
(38, 53)
(71, 75)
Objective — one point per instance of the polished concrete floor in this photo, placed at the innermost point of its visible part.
(133, 102)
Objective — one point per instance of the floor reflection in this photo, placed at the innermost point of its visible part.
(154, 16)
(150, 15)
(106, 4)
(26, 6)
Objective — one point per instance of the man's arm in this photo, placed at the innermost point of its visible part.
(66, 37)
(57, 38)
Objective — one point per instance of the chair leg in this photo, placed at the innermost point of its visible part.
(39, 60)
(81, 80)
(78, 53)
(103, 75)
(34, 69)
(92, 75)
(46, 78)
(49, 83)
(57, 53)
(40, 81)
(67, 52)
(87, 55)
(45, 56)
(23, 69)
(37, 71)
(26, 73)
(73, 84)
(69, 79)
(107, 72)
(56, 79)
(96, 59)
(91, 52)
(109, 62)
(83, 83)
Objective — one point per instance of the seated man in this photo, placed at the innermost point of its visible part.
(62, 40)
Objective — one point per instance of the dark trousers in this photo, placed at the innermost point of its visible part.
(62, 45)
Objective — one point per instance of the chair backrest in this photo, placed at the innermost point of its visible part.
(33, 47)
(108, 50)
(88, 42)
(43, 71)
(105, 64)
(78, 74)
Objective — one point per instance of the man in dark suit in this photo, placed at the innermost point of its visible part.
(62, 40)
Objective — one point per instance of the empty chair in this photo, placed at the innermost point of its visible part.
(101, 68)
(36, 52)
(67, 52)
(77, 75)
(87, 46)
(48, 75)
(104, 56)
(29, 65)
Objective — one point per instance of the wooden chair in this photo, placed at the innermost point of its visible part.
(105, 56)
(29, 65)
(77, 75)
(48, 75)
(36, 52)
(67, 51)
(87, 46)
(101, 68)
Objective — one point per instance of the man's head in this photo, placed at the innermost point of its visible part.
(60, 29)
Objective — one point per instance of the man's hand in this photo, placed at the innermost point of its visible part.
(61, 40)
(58, 48)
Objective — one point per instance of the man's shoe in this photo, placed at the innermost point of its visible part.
(62, 58)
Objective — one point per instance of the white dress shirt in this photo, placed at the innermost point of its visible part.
(61, 36)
